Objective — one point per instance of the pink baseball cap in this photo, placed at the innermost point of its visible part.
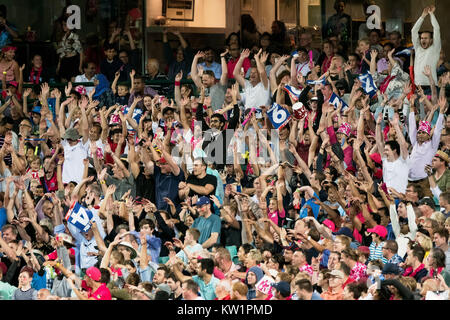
(379, 230)
(94, 273)
(330, 224)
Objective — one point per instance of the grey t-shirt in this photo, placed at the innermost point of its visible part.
(30, 294)
(217, 94)
(122, 185)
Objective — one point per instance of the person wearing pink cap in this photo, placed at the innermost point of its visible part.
(379, 234)
(424, 147)
(96, 289)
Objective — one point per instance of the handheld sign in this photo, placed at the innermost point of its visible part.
(335, 101)
(319, 81)
(79, 216)
(294, 93)
(264, 285)
(368, 84)
(278, 116)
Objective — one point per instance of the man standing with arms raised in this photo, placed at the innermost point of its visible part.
(427, 46)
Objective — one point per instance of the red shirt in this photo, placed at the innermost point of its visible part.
(232, 64)
(102, 293)
(108, 158)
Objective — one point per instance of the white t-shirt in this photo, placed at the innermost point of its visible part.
(73, 161)
(256, 96)
(395, 174)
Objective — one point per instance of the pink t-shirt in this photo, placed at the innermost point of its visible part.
(274, 216)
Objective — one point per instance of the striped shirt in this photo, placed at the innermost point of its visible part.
(376, 252)
(8, 158)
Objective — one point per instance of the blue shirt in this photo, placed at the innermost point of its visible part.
(206, 226)
(376, 252)
(315, 207)
(215, 67)
(207, 291)
(5, 36)
(166, 185)
(154, 244)
(3, 217)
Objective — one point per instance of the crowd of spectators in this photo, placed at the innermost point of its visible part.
(280, 172)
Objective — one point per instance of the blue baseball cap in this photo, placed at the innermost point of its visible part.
(391, 268)
(284, 288)
(36, 109)
(202, 201)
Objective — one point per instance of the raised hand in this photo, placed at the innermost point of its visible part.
(45, 90)
(102, 174)
(427, 71)
(443, 105)
(27, 92)
(179, 76)
(264, 57)
(246, 53)
(67, 89)
(425, 12)
(373, 54)
(223, 54)
(390, 53)
(200, 55)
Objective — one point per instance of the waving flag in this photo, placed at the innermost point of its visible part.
(294, 93)
(404, 52)
(314, 82)
(335, 100)
(79, 216)
(368, 84)
(278, 116)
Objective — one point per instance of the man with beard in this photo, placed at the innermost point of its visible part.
(427, 46)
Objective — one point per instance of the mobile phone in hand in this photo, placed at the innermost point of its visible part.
(384, 188)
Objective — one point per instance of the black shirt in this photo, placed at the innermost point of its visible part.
(145, 187)
(109, 69)
(230, 236)
(208, 179)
